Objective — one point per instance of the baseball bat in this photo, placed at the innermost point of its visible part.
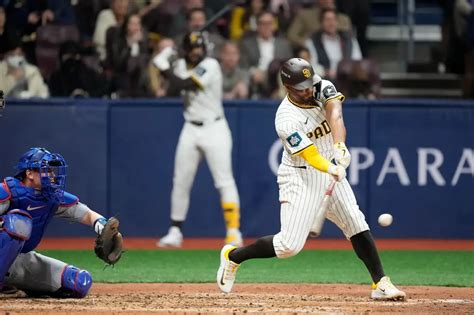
(220, 13)
(318, 222)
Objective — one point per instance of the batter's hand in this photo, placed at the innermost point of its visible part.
(342, 154)
(162, 60)
(337, 172)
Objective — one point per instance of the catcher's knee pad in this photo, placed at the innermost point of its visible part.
(75, 283)
(15, 229)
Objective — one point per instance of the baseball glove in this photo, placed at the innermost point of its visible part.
(108, 245)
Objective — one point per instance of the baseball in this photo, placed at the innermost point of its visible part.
(385, 219)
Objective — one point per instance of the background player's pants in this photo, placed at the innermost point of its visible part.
(301, 191)
(214, 142)
(35, 272)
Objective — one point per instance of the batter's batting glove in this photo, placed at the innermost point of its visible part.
(342, 154)
(162, 60)
(337, 171)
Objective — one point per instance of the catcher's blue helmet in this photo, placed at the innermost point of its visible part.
(52, 169)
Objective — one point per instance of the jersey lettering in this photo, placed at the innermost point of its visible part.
(320, 131)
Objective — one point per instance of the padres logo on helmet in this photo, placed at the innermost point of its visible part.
(298, 73)
(193, 37)
(306, 73)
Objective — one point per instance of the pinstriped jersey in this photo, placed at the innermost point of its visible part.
(204, 104)
(299, 125)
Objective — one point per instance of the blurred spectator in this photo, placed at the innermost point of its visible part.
(359, 79)
(19, 78)
(464, 26)
(455, 33)
(259, 50)
(156, 19)
(3, 32)
(470, 28)
(127, 57)
(74, 77)
(57, 11)
(159, 85)
(306, 22)
(282, 9)
(107, 18)
(462, 11)
(48, 40)
(86, 12)
(359, 13)
(303, 53)
(25, 16)
(275, 86)
(196, 18)
(244, 18)
(181, 19)
(329, 46)
(235, 79)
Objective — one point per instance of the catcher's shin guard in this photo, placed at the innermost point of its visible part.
(75, 283)
(15, 229)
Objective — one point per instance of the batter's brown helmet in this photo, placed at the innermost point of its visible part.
(192, 40)
(298, 73)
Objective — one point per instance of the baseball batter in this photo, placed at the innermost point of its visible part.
(310, 124)
(205, 134)
(28, 202)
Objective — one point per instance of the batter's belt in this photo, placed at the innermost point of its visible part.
(202, 123)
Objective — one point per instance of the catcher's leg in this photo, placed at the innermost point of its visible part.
(15, 229)
(39, 275)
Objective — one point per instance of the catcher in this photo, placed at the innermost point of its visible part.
(28, 201)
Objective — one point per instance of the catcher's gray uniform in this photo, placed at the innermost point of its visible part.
(35, 272)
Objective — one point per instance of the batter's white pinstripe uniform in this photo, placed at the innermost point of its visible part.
(302, 186)
(204, 134)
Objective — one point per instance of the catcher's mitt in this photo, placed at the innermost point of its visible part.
(108, 245)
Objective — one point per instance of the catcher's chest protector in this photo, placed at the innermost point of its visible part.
(40, 209)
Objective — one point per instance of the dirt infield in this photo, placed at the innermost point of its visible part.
(165, 298)
(246, 298)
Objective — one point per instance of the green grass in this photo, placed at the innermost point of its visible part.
(441, 268)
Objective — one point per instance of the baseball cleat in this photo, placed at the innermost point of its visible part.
(7, 289)
(174, 238)
(227, 270)
(234, 238)
(384, 290)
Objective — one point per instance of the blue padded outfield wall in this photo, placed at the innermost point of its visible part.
(414, 159)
